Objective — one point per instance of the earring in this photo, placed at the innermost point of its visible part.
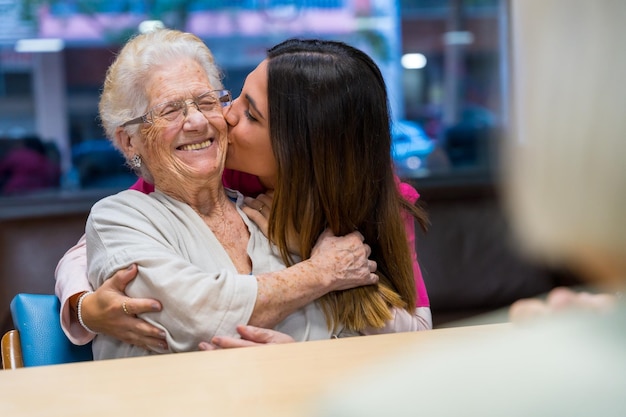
(135, 161)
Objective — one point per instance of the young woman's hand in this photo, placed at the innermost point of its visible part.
(110, 311)
(258, 210)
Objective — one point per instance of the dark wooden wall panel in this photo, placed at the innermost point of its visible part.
(29, 252)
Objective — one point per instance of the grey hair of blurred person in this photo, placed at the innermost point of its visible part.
(567, 177)
(124, 95)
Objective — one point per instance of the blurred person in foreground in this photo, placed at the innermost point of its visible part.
(566, 190)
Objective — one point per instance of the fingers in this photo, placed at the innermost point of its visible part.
(358, 235)
(140, 332)
(253, 203)
(117, 285)
(526, 309)
(146, 330)
(207, 346)
(153, 344)
(343, 260)
(262, 335)
(250, 336)
(558, 300)
(255, 215)
(111, 312)
(253, 333)
(604, 302)
(258, 218)
(136, 306)
(265, 199)
(263, 204)
(227, 342)
(146, 335)
(561, 298)
(122, 277)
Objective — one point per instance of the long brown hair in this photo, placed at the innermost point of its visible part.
(330, 132)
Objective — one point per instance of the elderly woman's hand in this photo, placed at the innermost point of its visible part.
(250, 336)
(345, 260)
(110, 311)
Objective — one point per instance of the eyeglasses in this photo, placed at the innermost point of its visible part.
(175, 111)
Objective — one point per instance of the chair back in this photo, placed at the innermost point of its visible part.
(11, 350)
(36, 318)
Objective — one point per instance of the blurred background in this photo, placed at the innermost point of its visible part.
(445, 63)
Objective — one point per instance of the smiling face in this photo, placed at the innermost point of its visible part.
(181, 156)
(250, 149)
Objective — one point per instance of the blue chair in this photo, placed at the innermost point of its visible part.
(38, 334)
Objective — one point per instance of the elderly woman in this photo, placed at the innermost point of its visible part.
(197, 252)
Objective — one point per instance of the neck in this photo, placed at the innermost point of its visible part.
(209, 200)
(268, 182)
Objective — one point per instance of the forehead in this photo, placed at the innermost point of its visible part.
(181, 79)
(255, 85)
(258, 77)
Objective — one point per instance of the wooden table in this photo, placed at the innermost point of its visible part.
(277, 380)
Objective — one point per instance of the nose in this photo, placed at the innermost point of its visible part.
(193, 118)
(191, 103)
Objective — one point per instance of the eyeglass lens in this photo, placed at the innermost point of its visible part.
(206, 103)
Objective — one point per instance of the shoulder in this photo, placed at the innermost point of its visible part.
(407, 191)
(126, 198)
(127, 207)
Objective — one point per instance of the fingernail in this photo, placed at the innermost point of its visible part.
(155, 306)
(203, 346)
(130, 266)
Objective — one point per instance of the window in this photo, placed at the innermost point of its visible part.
(444, 61)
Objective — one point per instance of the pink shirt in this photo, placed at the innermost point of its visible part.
(250, 185)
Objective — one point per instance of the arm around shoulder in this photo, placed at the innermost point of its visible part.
(71, 282)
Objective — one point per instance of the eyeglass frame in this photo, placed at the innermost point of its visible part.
(221, 94)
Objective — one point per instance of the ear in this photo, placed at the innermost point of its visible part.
(124, 142)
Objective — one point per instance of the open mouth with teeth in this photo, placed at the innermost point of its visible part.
(196, 146)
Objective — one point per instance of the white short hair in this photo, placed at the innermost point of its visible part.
(124, 94)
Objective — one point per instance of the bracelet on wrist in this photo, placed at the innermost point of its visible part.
(79, 307)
